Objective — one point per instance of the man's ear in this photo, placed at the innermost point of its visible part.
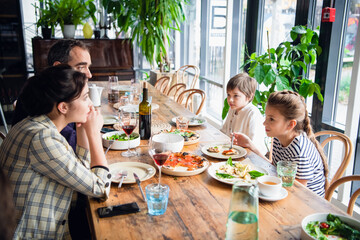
(63, 107)
(56, 63)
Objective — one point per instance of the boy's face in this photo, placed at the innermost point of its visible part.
(236, 99)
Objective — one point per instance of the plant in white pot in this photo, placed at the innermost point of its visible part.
(71, 13)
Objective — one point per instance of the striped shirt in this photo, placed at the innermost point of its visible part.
(310, 167)
(44, 172)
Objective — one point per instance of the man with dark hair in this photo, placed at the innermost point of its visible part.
(76, 54)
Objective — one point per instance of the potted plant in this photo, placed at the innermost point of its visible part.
(70, 13)
(284, 67)
(47, 18)
(150, 23)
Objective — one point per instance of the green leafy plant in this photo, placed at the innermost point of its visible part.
(150, 23)
(47, 14)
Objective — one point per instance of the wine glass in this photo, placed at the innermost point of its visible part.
(160, 152)
(128, 122)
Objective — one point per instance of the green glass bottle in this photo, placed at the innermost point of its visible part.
(145, 116)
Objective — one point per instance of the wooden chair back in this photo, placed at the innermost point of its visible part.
(2, 135)
(162, 84)
(329, 192)
(186, 98)
(191, 81)
(348, 150)
(175, 90)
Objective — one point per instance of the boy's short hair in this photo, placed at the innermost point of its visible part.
(246, 84)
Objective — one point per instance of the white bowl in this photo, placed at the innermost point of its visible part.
(119, 145)
(321, 217)
(267, 189)
(173, 142)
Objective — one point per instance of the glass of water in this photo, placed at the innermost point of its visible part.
(286, 170)
(157, 196)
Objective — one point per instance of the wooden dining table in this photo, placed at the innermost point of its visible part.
(198, 205)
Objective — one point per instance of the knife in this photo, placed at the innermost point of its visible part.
(138, 183)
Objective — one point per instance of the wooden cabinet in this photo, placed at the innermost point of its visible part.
(13, 72)
(109, 57)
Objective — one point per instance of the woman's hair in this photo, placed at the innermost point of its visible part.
(292, 106)
(7, 209)
(52, 86)
(246, 84)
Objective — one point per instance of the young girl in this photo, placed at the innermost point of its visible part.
(243, 116)
(41, 165)
(287, 121)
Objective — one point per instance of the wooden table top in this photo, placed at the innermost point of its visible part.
(198, 205)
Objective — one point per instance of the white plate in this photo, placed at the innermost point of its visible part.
(183, 172)
(123, 88)
(215, 166)
(193, 122)
(143, 170)
(283, 194)
(241, 151)
(119, 145)
(154, 106)
(110, 120)
(321, 217)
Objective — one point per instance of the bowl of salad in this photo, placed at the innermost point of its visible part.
(119, 140)
(329, 226)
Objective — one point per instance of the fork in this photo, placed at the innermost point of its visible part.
(110, 144)
(123, 175)
(232, 138)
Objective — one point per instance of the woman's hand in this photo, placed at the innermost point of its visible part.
(94, 121)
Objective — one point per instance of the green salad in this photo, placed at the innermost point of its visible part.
(237, 170)
(333, 226)
(122, 137)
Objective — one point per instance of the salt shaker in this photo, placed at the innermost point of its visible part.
(243, 213)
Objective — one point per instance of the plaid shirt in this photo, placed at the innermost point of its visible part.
(44, 172)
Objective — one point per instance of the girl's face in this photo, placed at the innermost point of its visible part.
(276, 125)
(79, 108)
(236, 99)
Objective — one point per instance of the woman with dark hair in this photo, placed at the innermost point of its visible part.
(40, 163)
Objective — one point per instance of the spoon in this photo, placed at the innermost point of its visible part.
(110, 144)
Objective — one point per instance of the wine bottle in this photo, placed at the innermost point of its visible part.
(145, 116)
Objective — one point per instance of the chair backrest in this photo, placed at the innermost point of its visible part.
(162, 84)
(348, 150)
(329, 192)
(176, 89)
(181, 72)
(188, 97)
(2, 135)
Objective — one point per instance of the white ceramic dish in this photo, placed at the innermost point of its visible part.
(269, 190)
(241, 151)
(173, 142)
(143, 170)
(110, 119)
(193, 121)
(154, 106)
(183, 172)
(215, 166)
(283, 194)
(119, 145)
(122, 88)
(321, 217)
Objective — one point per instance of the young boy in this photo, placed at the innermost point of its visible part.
(243, 116)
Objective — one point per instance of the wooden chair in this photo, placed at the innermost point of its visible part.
(162, 84)
(181, 72)
(348, 150)
(329, 192)
(187, 96)
(2, 135)
(175, 90)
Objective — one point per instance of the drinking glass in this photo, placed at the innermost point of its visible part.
(113, 92)
(159, 152)
(128, 122)
(286, 170)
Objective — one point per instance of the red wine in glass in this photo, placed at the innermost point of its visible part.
(128, 129)
(160, 158)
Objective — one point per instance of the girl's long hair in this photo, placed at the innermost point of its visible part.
(292, 106)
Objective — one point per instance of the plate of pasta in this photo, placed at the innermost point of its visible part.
(234, 171)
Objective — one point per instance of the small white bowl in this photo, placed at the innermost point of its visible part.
(321, 217)
(119, 145)
(269, 190)
(173, 142)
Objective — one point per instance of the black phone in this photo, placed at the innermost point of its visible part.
(106, 130)
(118, 210)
